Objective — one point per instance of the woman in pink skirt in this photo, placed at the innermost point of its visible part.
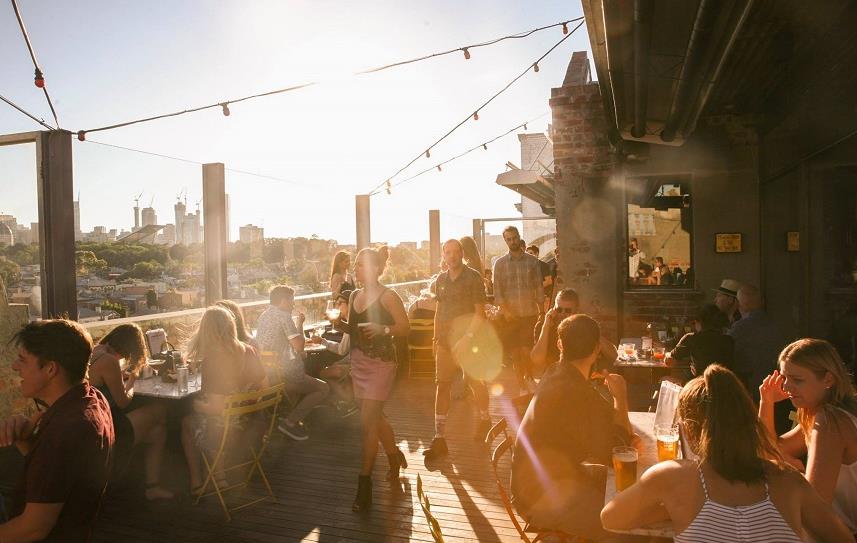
(375, 317)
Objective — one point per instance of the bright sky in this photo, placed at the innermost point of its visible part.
(109, 61)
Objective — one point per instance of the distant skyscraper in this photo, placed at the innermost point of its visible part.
(136, 218)
(77, 233)
(228, 222)
(180, 209)
(6, 236)
(251, 234)
(169, 234)
(149, 216)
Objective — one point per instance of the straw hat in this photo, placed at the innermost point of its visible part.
(728, 287)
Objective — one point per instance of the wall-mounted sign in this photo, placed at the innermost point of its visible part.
(793, 242)
(727, 243)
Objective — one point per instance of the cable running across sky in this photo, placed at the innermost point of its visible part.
(475, 115)
(224, 104)
(40, 78)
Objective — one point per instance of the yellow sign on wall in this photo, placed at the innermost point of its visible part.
(727, 243)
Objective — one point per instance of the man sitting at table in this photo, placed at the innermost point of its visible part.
(545, 351)
(567, 424)
(67, 446)
(277, 332)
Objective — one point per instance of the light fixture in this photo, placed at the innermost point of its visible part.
(439, 168)
(81, 135)
(485, 146)
(536, 67)
(565, 28)
(40, 79)
(428, 153)
(225, 106)
(475, 115)
(466, 54)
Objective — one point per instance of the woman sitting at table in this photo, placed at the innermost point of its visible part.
(143, 424)
(227, 366)
(740, 489)
(814, 378)
(240, 324)
(708, 345)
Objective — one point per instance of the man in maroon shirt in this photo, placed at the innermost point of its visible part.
(67, 446)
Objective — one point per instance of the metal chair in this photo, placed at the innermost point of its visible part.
(425, 504)
(238, 407)
(501, 427)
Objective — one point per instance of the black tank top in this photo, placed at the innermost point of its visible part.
(380, 347)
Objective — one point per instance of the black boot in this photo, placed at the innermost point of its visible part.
(363, 501)
(397, 461)
(437, 450)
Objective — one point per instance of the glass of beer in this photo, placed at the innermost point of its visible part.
(625, 467)
(667, 436)
(332, 311)
(658, 354)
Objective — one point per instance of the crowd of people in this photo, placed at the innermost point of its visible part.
(749, 474)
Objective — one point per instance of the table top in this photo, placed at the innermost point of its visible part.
(643, 424)
(640, 363)
(154, 387)
(313, 348)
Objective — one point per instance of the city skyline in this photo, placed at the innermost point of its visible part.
(324, 145)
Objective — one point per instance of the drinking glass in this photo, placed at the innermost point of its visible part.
(319, 331)
(332, 311)
(629, 350)
(667, 436)
(625, 466)
(658, 354)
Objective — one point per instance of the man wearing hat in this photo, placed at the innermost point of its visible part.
(726, 299)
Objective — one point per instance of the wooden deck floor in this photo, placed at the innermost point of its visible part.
(315, 482)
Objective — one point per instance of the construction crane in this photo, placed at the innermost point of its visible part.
(137, 200)
(179, 195)
(152, 201)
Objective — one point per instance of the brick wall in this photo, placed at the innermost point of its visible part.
(587, 204)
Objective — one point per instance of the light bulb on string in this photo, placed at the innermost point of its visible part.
(428, 153)
(475, 115)
(466, 54)
(536, 67)
(39, 79)
(225, 106)
(565, 28)
(525, 126)
(485, 146)
(81, 135)
(389, 187)
(439, 168)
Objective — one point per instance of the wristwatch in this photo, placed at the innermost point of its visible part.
(386, 330)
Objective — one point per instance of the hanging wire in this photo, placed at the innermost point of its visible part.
(223, 104)
(39, 74)
(483, 145)
(427, 150)
(198, 163)
(27, 113)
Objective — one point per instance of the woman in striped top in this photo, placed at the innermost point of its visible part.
(740, 490)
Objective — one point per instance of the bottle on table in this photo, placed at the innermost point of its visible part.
(646, 346)
(182, 371)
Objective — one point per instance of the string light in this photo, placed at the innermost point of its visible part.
(389, 187)
(536, 67)
(565, 28)
(466, 49)
(39, 79)
(462, 122)
(226, 111)
(81, 135)
(428, 153)
(439, 168)
(475, 115)
(458, 156)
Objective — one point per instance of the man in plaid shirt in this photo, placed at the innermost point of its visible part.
(519, 293)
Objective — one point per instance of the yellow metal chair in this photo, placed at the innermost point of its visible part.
(421, 349)
(237, 409)
(276, 375)
(425, 504)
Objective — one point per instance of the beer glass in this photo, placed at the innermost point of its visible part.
(667, 437)
(332, 311)
(625, 467)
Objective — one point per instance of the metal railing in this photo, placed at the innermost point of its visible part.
(179, 325)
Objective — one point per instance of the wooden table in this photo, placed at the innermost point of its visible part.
(154, 387)
(643, 424)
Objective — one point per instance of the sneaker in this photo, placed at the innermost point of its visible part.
(482, 428)
(437, 450)
(294, 431)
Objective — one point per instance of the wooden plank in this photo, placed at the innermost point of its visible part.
(315, 481)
